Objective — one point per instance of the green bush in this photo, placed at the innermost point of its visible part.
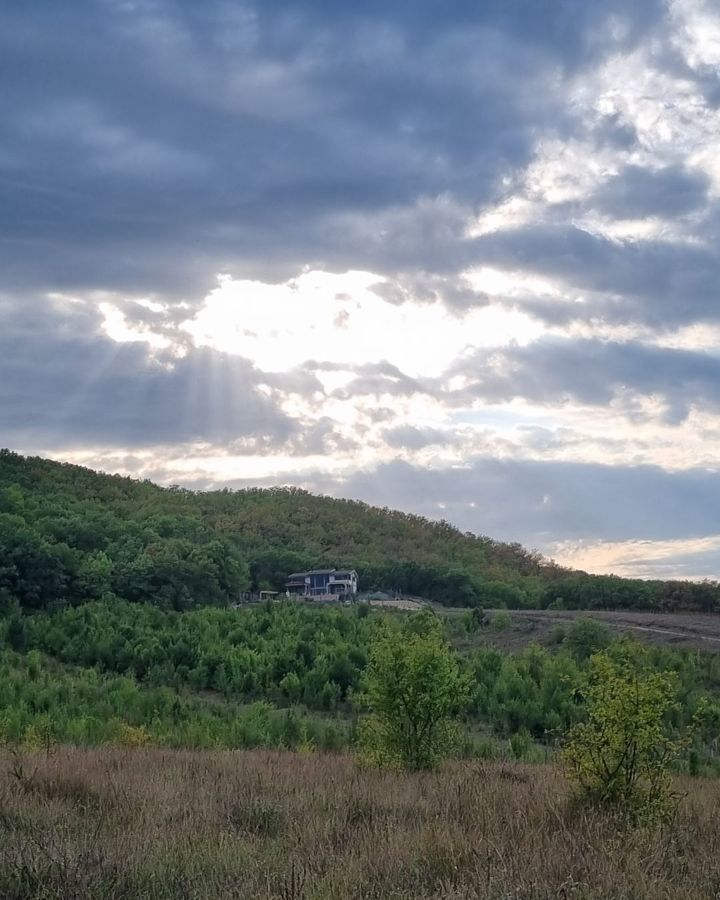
(501, 620)
(622, 753)
(413, 687)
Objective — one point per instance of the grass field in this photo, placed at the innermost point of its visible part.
(169, 825)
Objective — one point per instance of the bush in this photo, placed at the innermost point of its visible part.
(622, 753)
(501, 620)
(414, 687)
(132, 735)
(585, 637)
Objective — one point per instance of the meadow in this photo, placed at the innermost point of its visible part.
(120, 824)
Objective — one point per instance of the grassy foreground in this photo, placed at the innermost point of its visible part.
(126, 824)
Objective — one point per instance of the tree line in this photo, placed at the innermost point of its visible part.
(68, 535)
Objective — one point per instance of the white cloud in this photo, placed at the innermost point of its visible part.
(338, 318)
(697, 32)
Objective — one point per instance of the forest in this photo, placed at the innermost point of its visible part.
(69, 535)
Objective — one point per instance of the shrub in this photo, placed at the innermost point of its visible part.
(622, 753)
(501, 620)
(132, 735)
(585, 637)
(414, 687)
(520, 744)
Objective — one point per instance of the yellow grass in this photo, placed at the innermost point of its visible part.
(141, 823)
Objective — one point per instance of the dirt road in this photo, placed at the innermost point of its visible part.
(698, 630)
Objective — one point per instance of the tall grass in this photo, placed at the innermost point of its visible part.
(120, 824)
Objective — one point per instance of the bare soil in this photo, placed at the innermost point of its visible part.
(697, 631)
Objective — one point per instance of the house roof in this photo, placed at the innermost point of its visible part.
(341, 572)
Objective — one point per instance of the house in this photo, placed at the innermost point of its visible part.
(322, 583)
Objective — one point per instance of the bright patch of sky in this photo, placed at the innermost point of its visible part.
(338, 318)
(677, 559)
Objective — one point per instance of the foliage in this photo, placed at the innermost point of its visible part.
(297, 655)
(584, 637)
(414, 687)
(500, 620)
(622, 753)
(279, 652)
(60, 704)
(68, 535)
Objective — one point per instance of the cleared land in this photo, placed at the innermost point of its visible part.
(697, 631)
(130, 824)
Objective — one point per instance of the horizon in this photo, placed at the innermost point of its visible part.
(457, 260)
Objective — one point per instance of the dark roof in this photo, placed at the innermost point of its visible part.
(295, 575)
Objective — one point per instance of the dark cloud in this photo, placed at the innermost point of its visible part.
(539, 502)
(558, 371)
(658, 282)
(637, 192)
(148, 145)
(425, 287)
(64, 384)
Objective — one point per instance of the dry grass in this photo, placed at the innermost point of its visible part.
(124, 824)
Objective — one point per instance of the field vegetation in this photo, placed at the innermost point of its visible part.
(292, 675)
(158, 741)
(117, 824)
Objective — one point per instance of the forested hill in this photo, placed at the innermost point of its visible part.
(69, 534)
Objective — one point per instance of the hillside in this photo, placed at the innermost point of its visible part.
(70, 534)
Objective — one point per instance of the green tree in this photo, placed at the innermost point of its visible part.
(621, 754)
(414, 688)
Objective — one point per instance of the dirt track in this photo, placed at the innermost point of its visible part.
(699, 631)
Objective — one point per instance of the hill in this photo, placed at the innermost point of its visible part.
(70, 534)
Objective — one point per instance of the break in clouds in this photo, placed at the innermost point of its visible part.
(456, 258)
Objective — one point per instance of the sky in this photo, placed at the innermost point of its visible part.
(456, 258)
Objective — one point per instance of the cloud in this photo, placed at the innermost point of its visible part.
(542, 502)
(637, 192)
(149, 145)
(551, 505)
(558, 371)
(64, 384)
(440, 230)
(695, 558)
(412, 438)
(660, 282)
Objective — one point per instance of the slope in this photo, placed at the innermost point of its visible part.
(70, 534)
